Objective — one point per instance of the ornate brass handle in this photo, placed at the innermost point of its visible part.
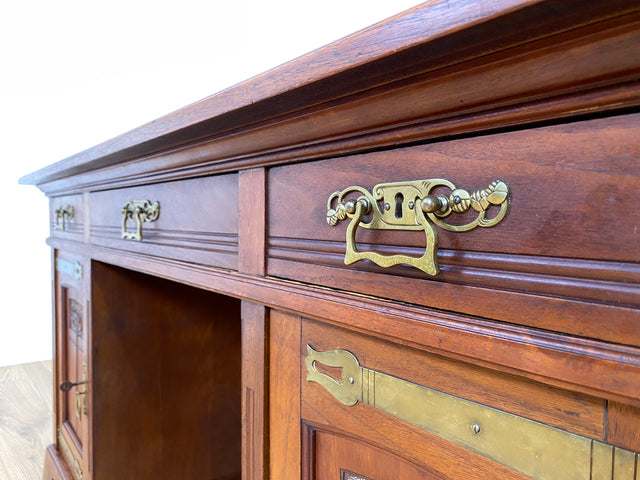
(140, 211)
(412, 206)
(62, 214)
(531, 448)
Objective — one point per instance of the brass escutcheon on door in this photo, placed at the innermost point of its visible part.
(140, 211)
(534, 449)
(413, 206)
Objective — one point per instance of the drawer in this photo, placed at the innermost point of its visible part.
(67, 217)
(367, 389)
(561, 259)
(195, 220)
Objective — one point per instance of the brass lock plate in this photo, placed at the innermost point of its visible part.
(413, 206)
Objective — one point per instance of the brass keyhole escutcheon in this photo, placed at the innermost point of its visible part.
(413, 206)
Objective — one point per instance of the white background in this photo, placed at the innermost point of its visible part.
(74, 73)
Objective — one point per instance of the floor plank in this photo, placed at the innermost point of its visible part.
(25, 419)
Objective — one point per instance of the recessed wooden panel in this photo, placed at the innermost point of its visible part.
(166, 381)
(341, 458)
(55, 468)
(200, 228)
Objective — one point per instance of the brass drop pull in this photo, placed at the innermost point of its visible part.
(62, 214)
(412, 206)
(140, 211)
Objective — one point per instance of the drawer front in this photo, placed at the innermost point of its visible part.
(452, 419)
(192, 220)
(564, 257)
(67, 217)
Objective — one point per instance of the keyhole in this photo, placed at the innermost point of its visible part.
(399, 200)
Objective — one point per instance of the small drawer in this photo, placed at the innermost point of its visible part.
(561, 259)
(192, 220)
(67, 217)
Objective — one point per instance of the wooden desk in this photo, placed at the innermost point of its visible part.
(227, 338)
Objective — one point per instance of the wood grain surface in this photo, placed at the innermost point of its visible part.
(25, 419)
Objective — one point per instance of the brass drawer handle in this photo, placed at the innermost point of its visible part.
(539, 451)
(412, 206)
(62, 214)
(140, 211)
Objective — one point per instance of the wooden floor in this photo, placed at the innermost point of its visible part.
(25, 419)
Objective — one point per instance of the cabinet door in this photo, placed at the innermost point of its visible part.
(338, 457)
(71, 363)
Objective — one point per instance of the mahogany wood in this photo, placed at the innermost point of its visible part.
(623, 425)
(255, 382)
(71, 354)
(284, 396)
(55, 467)
(424, 39)
(173, 404)
(592, 367)
(340, 457)
(194, 229)
(252, 212)
(537, 317)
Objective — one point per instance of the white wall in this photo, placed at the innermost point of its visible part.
(74, 73)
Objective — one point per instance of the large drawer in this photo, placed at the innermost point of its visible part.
(562, 259)
(193, 220)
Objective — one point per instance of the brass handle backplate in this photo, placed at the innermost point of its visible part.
(62, 214)
(140, 211)
(413, 206)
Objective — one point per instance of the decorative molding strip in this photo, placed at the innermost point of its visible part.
(208, 241)
(572, 278)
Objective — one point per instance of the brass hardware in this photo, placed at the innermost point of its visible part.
(69, 268)
(531, 448)
(406, 197)
(81, 396)
(140, 211)
(66, 449)
(62, 214)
